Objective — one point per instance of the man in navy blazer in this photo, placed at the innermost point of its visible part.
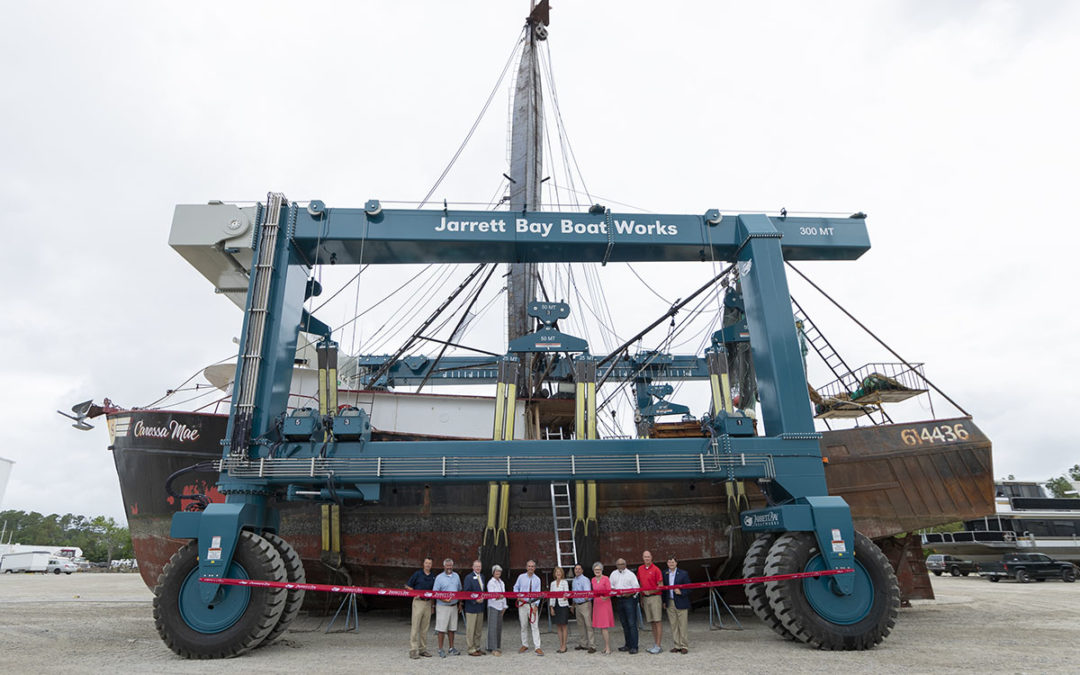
(678, 604)
(474, 610)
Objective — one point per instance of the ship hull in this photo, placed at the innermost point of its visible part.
(891, 485)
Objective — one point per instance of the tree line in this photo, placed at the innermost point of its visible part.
(101, 539)
(1061, 486)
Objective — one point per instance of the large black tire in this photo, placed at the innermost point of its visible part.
(754, 566)
(994, 580)
(56, 571)
(1068, 575)
(793, 552)
(937, 573)
(954, 571)
(256, 559)
(294, 597)
(1022, 576)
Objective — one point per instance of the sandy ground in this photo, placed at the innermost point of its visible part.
(102, 622)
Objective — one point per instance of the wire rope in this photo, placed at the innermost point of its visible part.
(517, 45)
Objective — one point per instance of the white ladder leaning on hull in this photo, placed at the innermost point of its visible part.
(562, 514)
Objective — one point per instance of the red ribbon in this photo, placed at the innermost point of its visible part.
(464, 595)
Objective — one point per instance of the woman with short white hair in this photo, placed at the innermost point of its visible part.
(496, 607)
(602, 618)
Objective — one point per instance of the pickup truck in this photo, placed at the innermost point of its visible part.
(939, 563)
(1027, 566)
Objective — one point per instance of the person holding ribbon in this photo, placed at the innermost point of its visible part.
(560, 607)
(650, 576)
(678, 604)
(582, 609)
(602, 616)
(528, 609)
(626, 604)
(421, 580)
(446, 611)
(496, 609)
(474, 610)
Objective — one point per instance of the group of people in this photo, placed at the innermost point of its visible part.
(594, 615)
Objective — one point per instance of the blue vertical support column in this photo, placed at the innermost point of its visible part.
(288, 283)
(785, 404)
(276, 293)
(784, 401)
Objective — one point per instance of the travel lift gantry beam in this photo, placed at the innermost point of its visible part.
(264, 458)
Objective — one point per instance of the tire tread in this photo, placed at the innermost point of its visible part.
(294, 597)
(787, 555)
(754, 566)
(262, 625)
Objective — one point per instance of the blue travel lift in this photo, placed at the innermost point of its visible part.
(271, 454)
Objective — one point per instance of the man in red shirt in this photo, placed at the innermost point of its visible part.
(650, 577)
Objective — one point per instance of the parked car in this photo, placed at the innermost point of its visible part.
(1027, 566)
(939, 563)
(58, 565)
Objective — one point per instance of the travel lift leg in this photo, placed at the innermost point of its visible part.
(195, 620)
(812, 532)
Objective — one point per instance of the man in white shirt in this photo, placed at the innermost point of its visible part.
(626, 605)
(529, 610)
(446, 611)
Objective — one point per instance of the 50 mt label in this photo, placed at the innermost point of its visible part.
(931, 435)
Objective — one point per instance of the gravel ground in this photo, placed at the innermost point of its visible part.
(98, 622)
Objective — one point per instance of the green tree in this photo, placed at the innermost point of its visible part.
(110, 537)
(100, 538)
(1061, 486)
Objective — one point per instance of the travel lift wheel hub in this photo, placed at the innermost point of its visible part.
(224, 610)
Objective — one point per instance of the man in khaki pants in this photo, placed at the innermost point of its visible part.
(650, 576)
(421, 580)
(474, 609)
(678, 604)
(583, 610)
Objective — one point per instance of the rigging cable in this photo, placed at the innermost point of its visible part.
(385, 298)
(385, 367)
(340, 290)
(879, 340)
(517, 45)
(170, 392)
(651, 289)
(559, 119)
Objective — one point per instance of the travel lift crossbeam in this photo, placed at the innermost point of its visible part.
(268, 454)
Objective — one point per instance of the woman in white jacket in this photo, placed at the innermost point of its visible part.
(560, 607)
(495, 610)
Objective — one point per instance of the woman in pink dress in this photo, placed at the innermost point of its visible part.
(602, 616)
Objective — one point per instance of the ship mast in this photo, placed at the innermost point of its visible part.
(526, 164)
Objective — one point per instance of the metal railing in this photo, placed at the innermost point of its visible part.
(909, 378)
(494, 467)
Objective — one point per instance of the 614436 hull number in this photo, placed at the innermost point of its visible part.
(929, 435)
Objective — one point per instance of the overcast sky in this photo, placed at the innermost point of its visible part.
(952, 124)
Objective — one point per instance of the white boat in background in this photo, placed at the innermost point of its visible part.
(1026, 520)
